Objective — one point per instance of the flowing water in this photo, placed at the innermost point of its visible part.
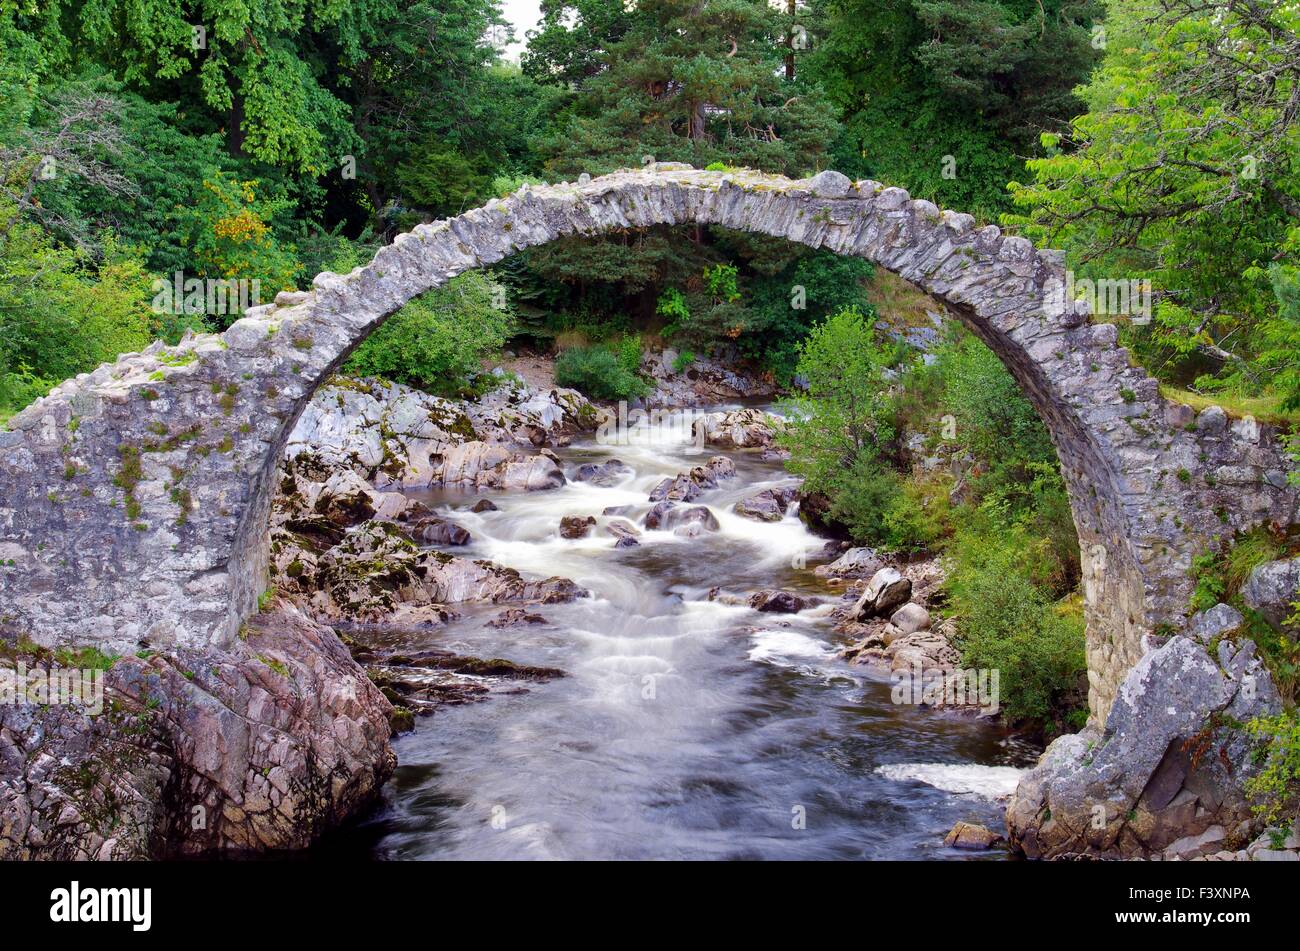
(684, 728)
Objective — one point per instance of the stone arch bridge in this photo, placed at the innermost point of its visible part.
(135, 499)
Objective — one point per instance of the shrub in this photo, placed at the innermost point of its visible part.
(599, 373)
(1276, 787)
(1007, 619)
(437, 342)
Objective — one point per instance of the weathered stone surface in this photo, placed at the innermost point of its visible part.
(1218, 621)
(886, 590)
(910, 618)
(438, 531)
(687, 486)
(576, 526)
(1272, 588)
(271, 742)
(971, 835)
(704, 380)
(769, 505)
(854, 563)
(603, 473)
(1163, 769)
(777, 602)
(737, 429)
(140, 493)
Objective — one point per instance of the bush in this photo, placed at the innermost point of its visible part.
(599, 373)
(1276, 788)
(1005, 621)
(437, 342)
(62, 313)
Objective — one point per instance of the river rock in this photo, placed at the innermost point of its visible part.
(604, 473)
(767, 506)
(886, 590)
(910, 618)
(971, 835)
(854, 563)
(687, 486)
(513, 617)
(737, 429)
(487, 466)
(691, 521)
(622, 528)
(1167, 765)
(483, 505)
(1271, 588)
(923, 650)
(576, 526)
(654, 519)
(777, 602)
(438, 531)
(447, 579)
(680, 488)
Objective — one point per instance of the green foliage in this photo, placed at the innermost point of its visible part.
(944, 97)
(63, 313)
(437, 341)
(1007, 621)
(842, 426)
(600, 373)
(1182, 171)
(230, 236)
(1220, 575)
(1276, 787)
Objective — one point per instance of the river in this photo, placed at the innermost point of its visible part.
(685, 728)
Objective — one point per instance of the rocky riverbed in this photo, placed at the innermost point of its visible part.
(673, 666)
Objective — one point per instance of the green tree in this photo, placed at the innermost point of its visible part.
(946, 98)
(1183, 171)
(437, 341)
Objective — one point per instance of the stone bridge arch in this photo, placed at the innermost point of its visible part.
(136, 498)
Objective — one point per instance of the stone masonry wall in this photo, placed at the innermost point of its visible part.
(135, 499)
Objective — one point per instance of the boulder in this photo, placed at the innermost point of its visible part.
(483, 505)
(777, 602)
(923, 650)
(854, 563)
(1272, 587)
(603, 473)
(576, 526)
(767, 506)
(622, 528)
(910, 618)
(691, 521)
(513, 617)
(687, 486)
(1219, 621)
(484, 465)
(654, 519)
(737, 429)
(680, 488)
(971, 835)
(886, 590)
(1168, 765)
(438, 531)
